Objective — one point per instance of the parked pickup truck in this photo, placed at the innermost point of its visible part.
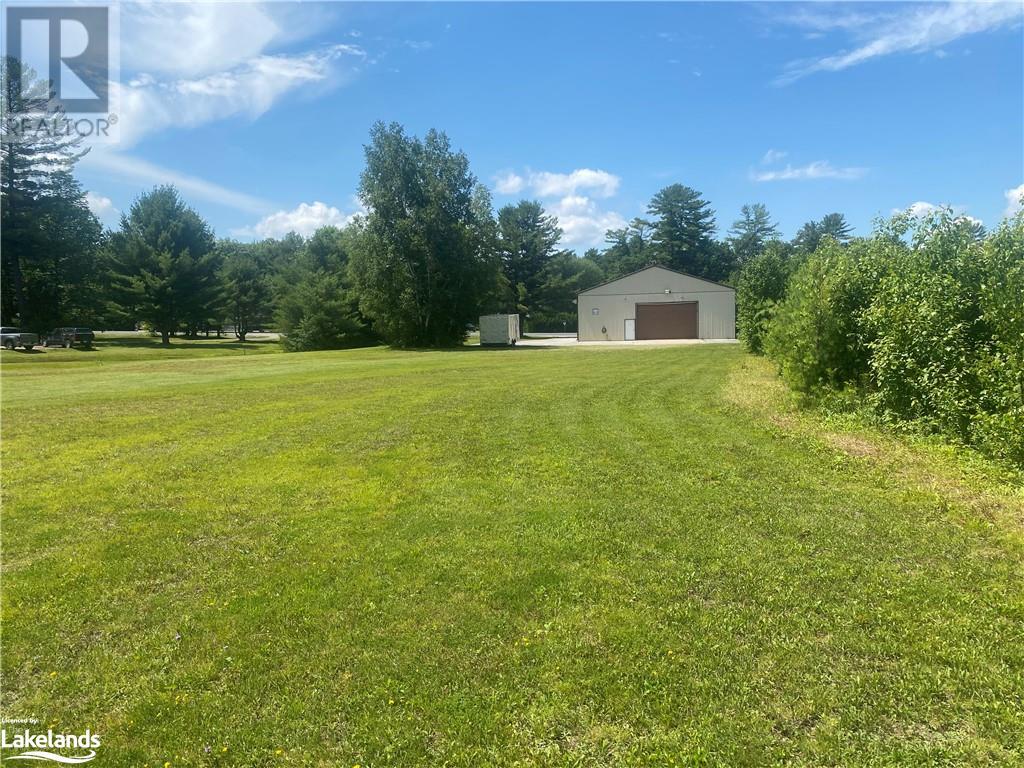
(68, 337)
(12, 337)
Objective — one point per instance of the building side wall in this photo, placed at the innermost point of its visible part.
(716, 312)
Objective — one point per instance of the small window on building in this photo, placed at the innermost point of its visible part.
(595, 311)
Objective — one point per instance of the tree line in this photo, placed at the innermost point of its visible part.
(417, 270)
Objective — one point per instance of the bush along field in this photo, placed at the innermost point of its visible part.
(557, 557)
(921, 326)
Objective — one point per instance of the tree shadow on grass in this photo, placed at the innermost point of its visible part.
(182, 344)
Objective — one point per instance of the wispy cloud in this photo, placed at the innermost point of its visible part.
(916, 28)
(194, 39)
(819, 169)
(191, 63)
(304, 219)
(126, 168)
(773, 156)
(249, 89)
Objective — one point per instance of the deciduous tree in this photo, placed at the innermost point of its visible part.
(428, 255)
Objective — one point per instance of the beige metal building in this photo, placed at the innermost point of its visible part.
(656, 303)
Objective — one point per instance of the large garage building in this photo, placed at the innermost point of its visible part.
(657, 303)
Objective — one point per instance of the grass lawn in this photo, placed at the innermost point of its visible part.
(593, 556)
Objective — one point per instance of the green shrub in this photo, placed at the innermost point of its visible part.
(319, 313)
(816, 333)
(924, 322)
(760, 287)
(924, 329)
(999, 426)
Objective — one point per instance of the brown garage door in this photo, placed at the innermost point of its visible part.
(677, 320)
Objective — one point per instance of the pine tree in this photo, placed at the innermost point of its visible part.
(165, 264)
(49, 237)
(527, 242)
(684, 228)
(834, 225)
(751, 232)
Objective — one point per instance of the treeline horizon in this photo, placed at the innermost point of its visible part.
(426, 260)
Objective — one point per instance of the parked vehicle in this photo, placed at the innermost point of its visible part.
(68, 337)
(12, 337)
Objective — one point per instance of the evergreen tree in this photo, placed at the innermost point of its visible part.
(834, 225)
(317, 305)
(808, 237)
(751, 232)
(564, 276)
(684, 227)
(245, 286)
(49, 236)
(629, 249)
(165, 264)
(527, 241)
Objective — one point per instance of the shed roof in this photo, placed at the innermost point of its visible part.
(656, 266)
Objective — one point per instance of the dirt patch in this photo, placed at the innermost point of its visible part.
(852, 445)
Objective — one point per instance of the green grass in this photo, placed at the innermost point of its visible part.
(513, 557)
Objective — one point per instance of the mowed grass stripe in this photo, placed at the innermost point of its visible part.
(556, 557)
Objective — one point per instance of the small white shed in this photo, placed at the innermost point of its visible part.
(499, 330)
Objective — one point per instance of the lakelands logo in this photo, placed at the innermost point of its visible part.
(40, 746)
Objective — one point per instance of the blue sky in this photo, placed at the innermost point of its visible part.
(259, 112)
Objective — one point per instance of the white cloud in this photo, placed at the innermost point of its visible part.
(102, 207)
(305, 219)
(583, 223)
(1014, 201)
(819, 169)
(918, 209)
(772, 156)
(249, 90)
(918, 29)
(135, 170)
(601, 183)
(192, 39)
(548, 184)
(509, 183)
(922, 208)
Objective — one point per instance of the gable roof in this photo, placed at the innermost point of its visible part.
(655, 266)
